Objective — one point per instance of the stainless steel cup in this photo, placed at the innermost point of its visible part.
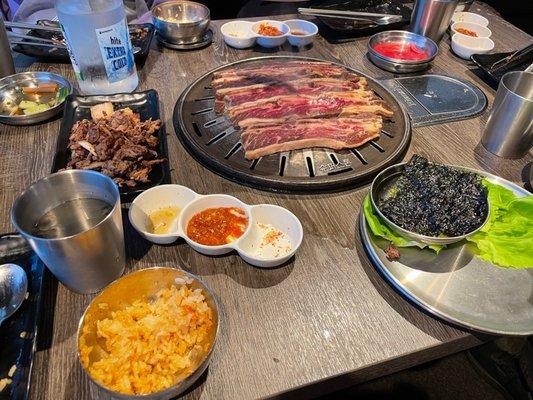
(87, 261)
(6, 59)
(509, 129)
(431, 18)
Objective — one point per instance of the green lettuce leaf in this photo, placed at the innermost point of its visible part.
(507, 238)
(380, 229)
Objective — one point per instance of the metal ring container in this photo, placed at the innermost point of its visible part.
(142, 284)
(397, 65)
(85, 262)
(432, 17)
(382, 183)
(191, 21)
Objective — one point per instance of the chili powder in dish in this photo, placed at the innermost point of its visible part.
(466, 32)
(217, 226)
(401, 51)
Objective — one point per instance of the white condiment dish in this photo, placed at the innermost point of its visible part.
(252, 247)
(308, 29)
(238, 34)
(271, 41)
(154, 199)
(464, 16)
(480, 30)
(191, 203)
(465, 46)
(203, 203)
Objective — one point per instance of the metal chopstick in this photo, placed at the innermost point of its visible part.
(355, 14)
(37, 44)
(24, 25)
(33, 38)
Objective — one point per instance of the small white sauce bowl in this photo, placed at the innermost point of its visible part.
(464, 46)
(154, 199)
(281, 219)
(464, 16)
(271, 41)
(238, 34)
(212, 201)
(301, 25)
(480, 30)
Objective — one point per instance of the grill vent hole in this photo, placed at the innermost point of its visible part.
(205, 98)
(359, 156)
(310, 167)
(377, 146)
(196, 129)
(254, 163)
(387, 133)
(282, 163)
(340, 171)
(333, 158)
(203, 111)
(233, 150)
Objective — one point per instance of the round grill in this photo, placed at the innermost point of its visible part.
(215, 143)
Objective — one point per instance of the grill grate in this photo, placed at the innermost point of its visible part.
(215, 143)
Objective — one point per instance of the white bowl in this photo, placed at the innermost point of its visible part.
(464, 16)
(238, 34)
(271, 41)
(464, 46)
(249, 247)
(303, 26)
(153, 199)
(211, 201)
(481, 31)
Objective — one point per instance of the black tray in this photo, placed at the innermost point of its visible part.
(485, 61)
(339, 29)
(144, 103)
(15, 350)
(50, 54)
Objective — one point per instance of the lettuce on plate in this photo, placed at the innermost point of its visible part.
(507, 238)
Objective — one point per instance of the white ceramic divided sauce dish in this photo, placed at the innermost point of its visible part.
(464, 16)
(244, 34)
(264, 221)
(465, 46)
(480, 30)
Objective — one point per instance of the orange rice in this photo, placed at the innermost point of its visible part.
(151, 345)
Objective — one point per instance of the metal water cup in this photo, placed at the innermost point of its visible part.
(431, 18)
(509, 129)
(6, 59)
(85, 262)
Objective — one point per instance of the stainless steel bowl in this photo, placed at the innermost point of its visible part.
(382, 184)
(181, 22)
(11, 94)
(142, 284)
(397, 65)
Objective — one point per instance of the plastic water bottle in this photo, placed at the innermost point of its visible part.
(99, 45)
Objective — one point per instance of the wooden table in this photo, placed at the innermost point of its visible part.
(326, 320)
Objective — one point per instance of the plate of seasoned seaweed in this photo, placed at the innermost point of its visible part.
(430, 203)
(455, 241)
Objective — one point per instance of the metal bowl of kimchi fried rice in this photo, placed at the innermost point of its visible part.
(148, 335)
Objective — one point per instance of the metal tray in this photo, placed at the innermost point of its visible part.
(457, 286)
(15, 350)
(52, 54)
(144, 103)
(215, 143)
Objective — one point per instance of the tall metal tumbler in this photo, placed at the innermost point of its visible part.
(431, 18)
(509, 129)
(6, 59)
(87, 261)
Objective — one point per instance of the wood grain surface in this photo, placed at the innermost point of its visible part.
(321, 322)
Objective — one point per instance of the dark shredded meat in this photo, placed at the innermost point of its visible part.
(119, 146)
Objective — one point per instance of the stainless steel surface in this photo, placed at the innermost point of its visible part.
(84, 262)
(509, 129)
(379, 188)
(188, 21)
(11, 93)
(396, 65)
(142, 284)
(6, 59)
(13, 288)
(432, 17)
(203, 41)
(457, 286)
(25, 25)
(371, 18)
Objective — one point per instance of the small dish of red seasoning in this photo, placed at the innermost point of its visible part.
(471, 29)
(270, 33)
(217, 226)
(401, 51)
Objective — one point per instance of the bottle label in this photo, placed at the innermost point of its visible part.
(115, 46)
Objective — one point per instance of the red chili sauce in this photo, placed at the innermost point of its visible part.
(217, 226)
(401, 51)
